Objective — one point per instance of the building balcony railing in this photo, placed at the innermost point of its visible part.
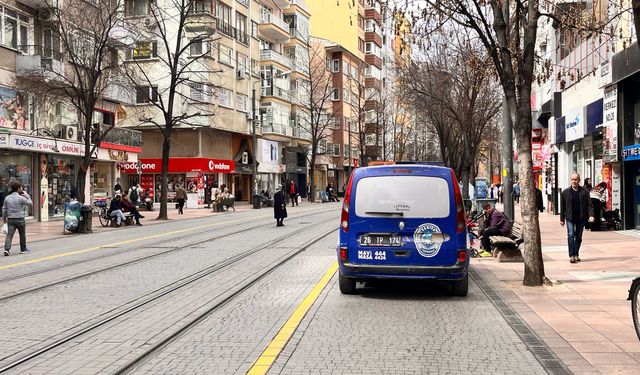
(274, 27)
(122, 136)
(269, 54)
(277, 92)
(301, 4)
(271, 128)
(225, 28)
(38, 61)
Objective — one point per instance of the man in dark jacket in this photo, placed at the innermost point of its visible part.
(115, 210)
(495, 224)
(539, 202)
(575, 209)
(128, 206)
(279, 206)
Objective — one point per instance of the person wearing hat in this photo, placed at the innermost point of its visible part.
(495, 224)
(279, 206)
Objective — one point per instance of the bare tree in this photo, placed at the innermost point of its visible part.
(84, 40)
(171, 66)
(462, 113)
(318, 96)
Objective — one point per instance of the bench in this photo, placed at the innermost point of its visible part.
(225, 203)
(128, 220)
(507, 249)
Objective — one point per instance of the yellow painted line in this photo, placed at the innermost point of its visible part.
(269, 355)
(62, 255)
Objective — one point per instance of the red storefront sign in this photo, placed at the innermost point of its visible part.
(181, 165)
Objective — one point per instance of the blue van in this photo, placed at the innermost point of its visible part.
(403, 222)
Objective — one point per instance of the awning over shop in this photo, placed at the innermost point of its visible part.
(181, 165)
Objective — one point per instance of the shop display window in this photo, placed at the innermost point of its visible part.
(173, 181)
(16, 167)
(62, 180)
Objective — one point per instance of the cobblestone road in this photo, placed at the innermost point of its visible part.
(391, 328)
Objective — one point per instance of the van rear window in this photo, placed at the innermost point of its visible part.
(406, 196)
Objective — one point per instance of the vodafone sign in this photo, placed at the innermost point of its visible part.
(181, 165)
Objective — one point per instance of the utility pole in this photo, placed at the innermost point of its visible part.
(507, 160)
(490, 163)
(255, 140)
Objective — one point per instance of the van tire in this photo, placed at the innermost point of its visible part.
(461, 287)
(347, 286)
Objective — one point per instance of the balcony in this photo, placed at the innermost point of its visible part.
(276, 92)
(372, 10)
(35, 4)
(226, 29)
(372, 36)
(273, 27)
(277, 132)
(39, 62)
(121, 136)
(300, 4)
(282, 3)
(298, 132)
(372, 59)
(269, 55)
(200, 21)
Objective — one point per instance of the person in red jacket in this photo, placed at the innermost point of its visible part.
(293, 193)
(128, 206)
(495, 224)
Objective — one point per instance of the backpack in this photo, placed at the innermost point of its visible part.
(133, 195)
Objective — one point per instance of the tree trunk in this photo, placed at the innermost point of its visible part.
(532, 253)
(312, 173)
(164, 185)
(80, 183)
(466, 173)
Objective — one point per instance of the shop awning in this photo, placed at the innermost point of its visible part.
(181, 165)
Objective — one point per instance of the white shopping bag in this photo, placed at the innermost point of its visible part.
(5, 228)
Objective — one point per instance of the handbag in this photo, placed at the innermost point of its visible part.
(5, 228)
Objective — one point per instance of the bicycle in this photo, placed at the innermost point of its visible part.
(472, 229)
(634, 297)
(103, 212)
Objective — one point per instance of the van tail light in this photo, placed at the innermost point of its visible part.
(344, 218)
(462, 256)
(343, 254)
(460, 215)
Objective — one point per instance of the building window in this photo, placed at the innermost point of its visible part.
(224, 13)
(199, 47)
(335, 66)
(200, 92)
(143, 50)
(254, 29)
(347, 95)
(335, 95)
(345, 68)
(15, 29)
(134, 8)
(241, 103)
(225, 55)
(336, 149)
(202, 6)
(224, 98)
(360, 45)
(241, 22)
(146, 94)
(242, 61)
(354, 72)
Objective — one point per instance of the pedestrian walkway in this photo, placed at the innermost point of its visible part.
(584, 316)
(42, 231)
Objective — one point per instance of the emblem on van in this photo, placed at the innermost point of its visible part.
(424, 241)
(401, 225)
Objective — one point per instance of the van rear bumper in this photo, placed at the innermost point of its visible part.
(455, 272)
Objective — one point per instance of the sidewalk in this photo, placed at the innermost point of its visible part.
(584, 317)
(41, 231)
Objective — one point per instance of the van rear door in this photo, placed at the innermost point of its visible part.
(406, 219)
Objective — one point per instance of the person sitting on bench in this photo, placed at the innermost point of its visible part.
(495, 224)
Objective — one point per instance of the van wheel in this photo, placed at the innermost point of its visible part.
(461, 287)
(347, 286)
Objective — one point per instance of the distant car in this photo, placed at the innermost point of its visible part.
(404, 222)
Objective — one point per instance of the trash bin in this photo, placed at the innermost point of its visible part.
(86, 214)
(256, 201)
(72, 221)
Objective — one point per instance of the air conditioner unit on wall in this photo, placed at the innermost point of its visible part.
(43, 14)
(241, 73)
(69, 132)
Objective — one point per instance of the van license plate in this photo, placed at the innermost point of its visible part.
(380, 240)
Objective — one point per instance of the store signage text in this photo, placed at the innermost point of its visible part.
(181, 165)
(631, 152)
(574, 125)
(610, 117)
(44, 145)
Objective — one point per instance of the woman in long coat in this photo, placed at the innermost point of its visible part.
(279, 206)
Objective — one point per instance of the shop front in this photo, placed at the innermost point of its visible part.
(296, 167)
(195, 174)
(269, 167)
(47, 169)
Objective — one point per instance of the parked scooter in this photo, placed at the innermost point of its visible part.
(146, 201)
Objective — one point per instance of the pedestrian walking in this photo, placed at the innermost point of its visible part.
(293, 193)
(495, 224)
(13, 214)
(500, 193)
(516, 192)
(181, 197)
(539, 202)
(308, 192)
(575, 210)
(597, 197)
(214, 196)
(134, 194)
(279, 206)
(117, 189)
(587, 184)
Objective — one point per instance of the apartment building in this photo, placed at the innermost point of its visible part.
(40, 134)
(245, 50)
